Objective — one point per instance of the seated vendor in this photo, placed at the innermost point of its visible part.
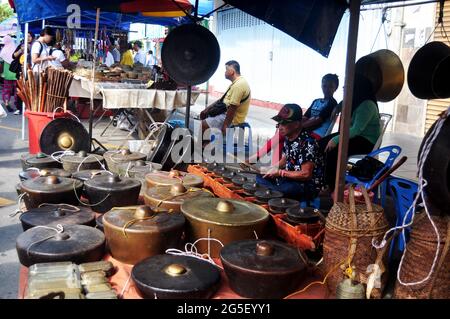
(299, 174)
(236, 98)
(317, 118)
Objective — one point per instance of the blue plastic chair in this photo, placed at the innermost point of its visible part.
(403, 192)
(393, 151)
(311, 203)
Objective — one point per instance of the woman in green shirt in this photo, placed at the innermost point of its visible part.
(364, 128)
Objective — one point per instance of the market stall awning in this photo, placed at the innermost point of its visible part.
(141, 10)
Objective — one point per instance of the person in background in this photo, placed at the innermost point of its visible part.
(364, 132)
(9, 78)
(127, 57)
(109, 59)
(151, 60)
(116, 51)
(237, 99)
(299, 174)
(140, 55)
(40, 52)
(60, 61)
(20, 57)
(317, 118)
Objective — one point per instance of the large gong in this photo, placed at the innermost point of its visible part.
(190, 54)
(64, 134)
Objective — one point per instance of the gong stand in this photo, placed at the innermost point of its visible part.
(91, 106)
(195, 18)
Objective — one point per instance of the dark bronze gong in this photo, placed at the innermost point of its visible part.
(190, 54)
(64, 134)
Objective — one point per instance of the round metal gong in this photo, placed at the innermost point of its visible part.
(64, 134)
(190, 54)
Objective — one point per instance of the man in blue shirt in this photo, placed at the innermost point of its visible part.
(317, 119)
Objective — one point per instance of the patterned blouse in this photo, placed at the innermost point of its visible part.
(301, 150)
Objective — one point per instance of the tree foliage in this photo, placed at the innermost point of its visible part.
(6, 12)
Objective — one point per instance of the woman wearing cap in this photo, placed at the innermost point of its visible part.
(364, 129)
(299, 174)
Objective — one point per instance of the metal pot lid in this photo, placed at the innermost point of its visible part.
(139, 167)
(240, 180)
(268, 194)
(33, 173)
(174, 177)
(112, 183)
(253, 187)
(84, 175)
(39, 158)
(51, 184)
(124, 156)
(175, 194)
(224, 212)
(75, 239)
(142, 219)
(180, 274)
(303, 215)
(82, 156)
(281, 204)
(58, 214)
(220, 170)
(229, 175)
(262, 256)
(251, 177)
(212, 166)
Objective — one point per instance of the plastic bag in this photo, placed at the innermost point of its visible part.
(3, 113)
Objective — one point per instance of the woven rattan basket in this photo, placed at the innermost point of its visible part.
(419, 255)
(349, 231)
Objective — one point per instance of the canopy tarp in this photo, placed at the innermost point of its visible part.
(312, 22)
(34, 10)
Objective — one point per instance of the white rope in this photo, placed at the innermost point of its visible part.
(128, 168)
(68, 112)
(33, 169)
(410, 213)
(61, 206)
(95, 157)
(59, 229)
(18, 210)
(190, 250)
(125, 287)
(59, 154)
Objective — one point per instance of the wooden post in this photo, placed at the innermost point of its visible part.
(25, 72)
(348, 98)
(91, 108)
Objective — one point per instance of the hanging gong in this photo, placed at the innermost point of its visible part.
(385, 71)
(64, 134)
(190, 54)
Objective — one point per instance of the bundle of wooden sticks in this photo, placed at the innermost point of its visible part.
(46, 91)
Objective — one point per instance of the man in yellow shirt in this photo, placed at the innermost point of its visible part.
(236, 98)
(127, 57)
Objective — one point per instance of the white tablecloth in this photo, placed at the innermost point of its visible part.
(125, 95)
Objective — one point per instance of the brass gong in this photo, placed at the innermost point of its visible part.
(64, 134)
(190, 54)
